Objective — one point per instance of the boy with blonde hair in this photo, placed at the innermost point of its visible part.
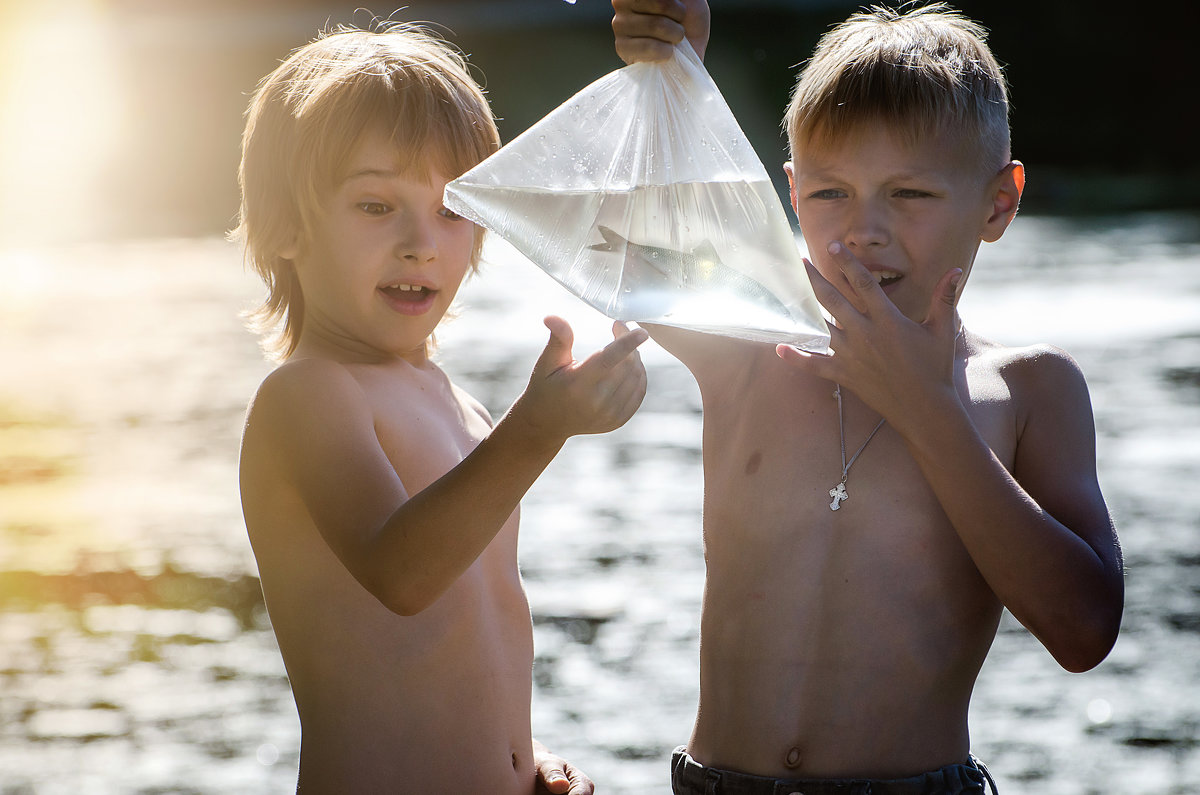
(381, 503)
(868, 514)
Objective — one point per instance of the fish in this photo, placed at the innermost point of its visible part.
(701, 271)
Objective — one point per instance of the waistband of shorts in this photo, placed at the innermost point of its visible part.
(689, 776)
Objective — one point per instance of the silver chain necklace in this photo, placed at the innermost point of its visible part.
(838, 492)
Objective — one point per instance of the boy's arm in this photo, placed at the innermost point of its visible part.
(711, 358)
(648, 30)
(407, 549)
(1041, 536)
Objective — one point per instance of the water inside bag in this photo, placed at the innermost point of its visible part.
(621, 253)
(642, 196)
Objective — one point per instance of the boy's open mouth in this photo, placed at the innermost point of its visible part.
(410, 293)
(885, 278)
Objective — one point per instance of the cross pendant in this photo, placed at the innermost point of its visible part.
(838, 495)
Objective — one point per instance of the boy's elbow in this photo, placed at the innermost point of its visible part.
(407, 602)
(1082, 660)
(1087, 631)
(1090, 644)
(404, 598)
(408, 609)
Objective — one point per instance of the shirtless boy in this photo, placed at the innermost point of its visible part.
(860, 549)
(381, 503)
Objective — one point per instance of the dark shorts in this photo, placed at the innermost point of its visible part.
(689, 777)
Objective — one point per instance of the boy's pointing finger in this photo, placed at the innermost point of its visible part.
(620, 348)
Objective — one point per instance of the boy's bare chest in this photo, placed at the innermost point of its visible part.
(426, 430)
(780, 462)
(788, 481)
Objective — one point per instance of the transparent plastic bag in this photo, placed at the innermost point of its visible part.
(642, 196)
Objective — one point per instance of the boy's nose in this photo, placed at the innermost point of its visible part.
(867, 227)
(416, 242)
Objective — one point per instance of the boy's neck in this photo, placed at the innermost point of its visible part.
(349, 351)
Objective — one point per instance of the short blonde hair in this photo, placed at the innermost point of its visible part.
(924, 70)
(304, 121)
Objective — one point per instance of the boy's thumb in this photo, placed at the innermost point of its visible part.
(941, 307)
(557, 353)
(950, 290)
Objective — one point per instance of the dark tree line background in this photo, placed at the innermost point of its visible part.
(1104, 96)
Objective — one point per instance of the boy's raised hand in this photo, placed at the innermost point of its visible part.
(894, 364)
(566, 397)
(648, 30)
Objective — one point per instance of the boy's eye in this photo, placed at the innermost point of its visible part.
(373, 208)
(827, 193)
(911, 193)
(450, 214)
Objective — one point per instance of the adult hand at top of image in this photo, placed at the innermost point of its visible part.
(894, 364)
(566, 397)
(647, 30)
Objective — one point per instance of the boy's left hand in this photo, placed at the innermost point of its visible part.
(648, 30)
(566, 397)
(894, 364)
(558, 776)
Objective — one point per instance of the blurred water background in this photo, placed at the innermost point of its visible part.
(135, 655)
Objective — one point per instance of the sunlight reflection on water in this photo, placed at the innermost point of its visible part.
(135, 653)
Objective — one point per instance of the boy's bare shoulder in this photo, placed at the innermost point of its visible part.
(1036, 376)
(304, 388)
(1039, 360)
(306, 411)
(302, 373)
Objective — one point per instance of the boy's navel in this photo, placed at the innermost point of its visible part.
(792, 759)
(754, 462)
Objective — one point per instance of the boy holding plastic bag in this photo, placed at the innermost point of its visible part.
(844, 627)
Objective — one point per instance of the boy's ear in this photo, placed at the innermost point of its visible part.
(1005, 189)
(790, 170)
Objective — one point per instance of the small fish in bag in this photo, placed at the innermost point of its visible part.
(642, 196)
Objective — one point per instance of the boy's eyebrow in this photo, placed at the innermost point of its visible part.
(819, 173)
(371, 172)
(384, 172)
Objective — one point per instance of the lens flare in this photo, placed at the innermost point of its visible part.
(62, 114)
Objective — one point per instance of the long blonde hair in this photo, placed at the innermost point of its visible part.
(302, 125)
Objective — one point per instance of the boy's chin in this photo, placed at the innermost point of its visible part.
(910, 310)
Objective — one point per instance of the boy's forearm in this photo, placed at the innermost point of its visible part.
(1066, 590)
(438, 533)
